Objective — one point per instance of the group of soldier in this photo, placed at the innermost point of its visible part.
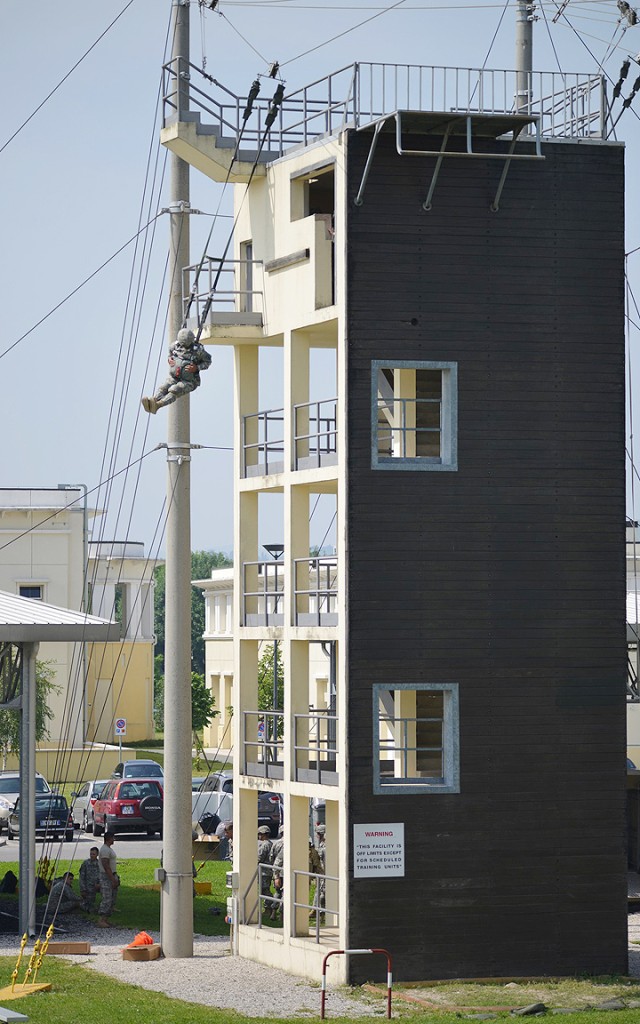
(97, 876)
(271, 869)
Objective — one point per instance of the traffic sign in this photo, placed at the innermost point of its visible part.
(121, 726)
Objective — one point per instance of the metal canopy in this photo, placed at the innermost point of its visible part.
(469, 125)
(25, 620)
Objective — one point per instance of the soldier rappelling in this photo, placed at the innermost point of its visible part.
(187, 357)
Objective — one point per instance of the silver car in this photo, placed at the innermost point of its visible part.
(83, 803)
(10, 791)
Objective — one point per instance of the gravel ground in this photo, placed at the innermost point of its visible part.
(215, 978)
(211, 978)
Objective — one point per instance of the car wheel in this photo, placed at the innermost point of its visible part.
(10, 833)
(97, 829)
(68, 836)
(86, 824)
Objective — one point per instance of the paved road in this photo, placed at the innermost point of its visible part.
(135, 847)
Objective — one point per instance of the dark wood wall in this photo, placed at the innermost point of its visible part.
(507, 576)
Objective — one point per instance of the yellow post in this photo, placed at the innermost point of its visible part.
(32, 962)
(14, 973)
(43, 950)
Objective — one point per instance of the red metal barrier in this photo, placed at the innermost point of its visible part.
(354, 952)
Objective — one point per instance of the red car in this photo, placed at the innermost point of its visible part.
(129, 805)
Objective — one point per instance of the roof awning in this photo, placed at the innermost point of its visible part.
(26, 620)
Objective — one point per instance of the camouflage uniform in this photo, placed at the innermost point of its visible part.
(89, 883)
(62, 898)
(187, 357)
(264, 857)
(277, 861)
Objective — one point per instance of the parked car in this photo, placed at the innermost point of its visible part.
(84, 802)
(138, 770)
(215, 796)
(196, 783)
(53, 818)
(129, 805)
(10, 791)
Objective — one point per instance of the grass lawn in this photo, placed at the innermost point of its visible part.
(139, 905)
(79, 995)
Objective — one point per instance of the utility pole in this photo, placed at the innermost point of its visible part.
(524, 56)
(177, 884)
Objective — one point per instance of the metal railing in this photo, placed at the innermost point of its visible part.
(262, 593)
(315, 433)
(234, 291)
(315, 747)
(323, 916)
(571, 105)
(409, 428)
(316, 591)
(262, 902)
(263, 442)
(263, 744)
(400, 751)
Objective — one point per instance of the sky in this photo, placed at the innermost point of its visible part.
(85, 173)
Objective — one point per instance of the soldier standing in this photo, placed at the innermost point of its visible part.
(264, 864)
(321, 889)
(90, 879)
(277, 861)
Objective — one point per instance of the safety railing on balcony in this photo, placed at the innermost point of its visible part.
(315, 747)
(316, 591)
(263, 744)
(262, 593)
(315, 434)
(316, 895)
(229, 284)
(260, 904)
(263, 443)
(570, 105)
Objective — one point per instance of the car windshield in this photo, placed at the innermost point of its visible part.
(97, 789)
(12, 785)
(137, 790)
(52, 803)
(135, 771)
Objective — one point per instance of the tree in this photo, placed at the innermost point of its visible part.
(202, 562)
(265, 679)
(203, 705)
(10, 717)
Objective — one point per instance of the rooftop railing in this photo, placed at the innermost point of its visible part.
(568, 105)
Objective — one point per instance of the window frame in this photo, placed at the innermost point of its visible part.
(31, 586)
(448, 461)
(450, 741)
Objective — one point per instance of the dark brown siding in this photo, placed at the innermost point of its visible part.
(506, 576)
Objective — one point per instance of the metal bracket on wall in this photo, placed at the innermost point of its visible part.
(462, 124)
(358, 201)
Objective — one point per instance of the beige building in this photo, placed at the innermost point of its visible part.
(44, 546)
(218, 636)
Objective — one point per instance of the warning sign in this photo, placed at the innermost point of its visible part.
(121, 727)
(378, 850)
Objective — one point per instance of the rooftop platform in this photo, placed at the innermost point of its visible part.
(204, 121)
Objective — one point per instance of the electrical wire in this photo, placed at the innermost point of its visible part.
(339, 35)
(244, 39)
(77, 289)
(63, 80)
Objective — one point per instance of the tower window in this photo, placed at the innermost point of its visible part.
(414, 415)
(416, 746)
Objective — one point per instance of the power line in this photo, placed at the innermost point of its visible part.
(63, 80)
(346, 32)
(78, 287)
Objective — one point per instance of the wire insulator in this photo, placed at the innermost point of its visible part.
(278, 96)
(273, 70)
(251, 98)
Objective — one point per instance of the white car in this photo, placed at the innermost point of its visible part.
(10, 791)
(84, 801)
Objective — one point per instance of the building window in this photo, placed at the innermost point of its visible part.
(414, 415)
(35, 592)
(416, 746)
